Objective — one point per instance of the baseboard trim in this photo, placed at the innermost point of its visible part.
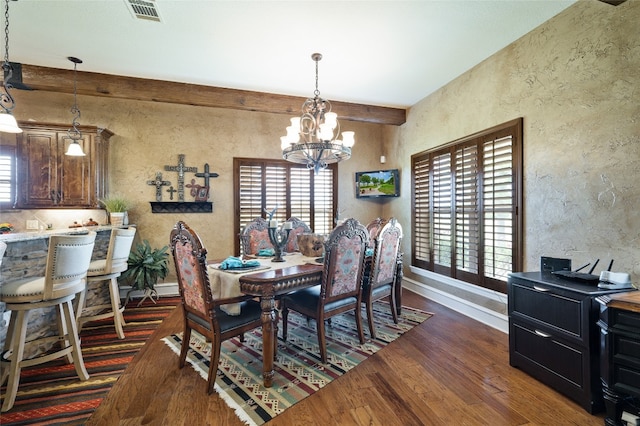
(479, 313)
(163, 289)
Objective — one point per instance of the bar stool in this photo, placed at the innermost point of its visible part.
(67, 264)
(108, 269)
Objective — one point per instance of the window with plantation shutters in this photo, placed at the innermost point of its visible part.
(294, 189)
(466, 195)
(7, 176)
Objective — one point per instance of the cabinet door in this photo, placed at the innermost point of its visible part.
(76, 183)
(38, 166)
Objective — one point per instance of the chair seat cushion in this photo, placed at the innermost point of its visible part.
(308, 298)
(378, 292)
(97, 267)
(29, 290)
(250, 311)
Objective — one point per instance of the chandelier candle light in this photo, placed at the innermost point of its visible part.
(279, 237)
(312, 138)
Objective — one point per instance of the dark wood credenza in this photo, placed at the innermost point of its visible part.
(620, 354)
(554, 335)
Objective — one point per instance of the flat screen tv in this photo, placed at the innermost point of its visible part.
(378, 184)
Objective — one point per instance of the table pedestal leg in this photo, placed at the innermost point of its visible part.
(269, 327)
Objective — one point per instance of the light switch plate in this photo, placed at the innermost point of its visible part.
(32, 224)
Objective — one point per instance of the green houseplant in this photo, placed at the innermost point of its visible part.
(146, 266)
(117, 207)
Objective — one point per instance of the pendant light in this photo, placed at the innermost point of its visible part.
(75, 150)
(8, 122)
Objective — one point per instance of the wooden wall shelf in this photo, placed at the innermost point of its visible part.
(184, 207)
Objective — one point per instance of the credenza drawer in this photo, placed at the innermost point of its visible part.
(562, 363)
(553, 309)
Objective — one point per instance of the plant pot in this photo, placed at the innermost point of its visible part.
(116, 218)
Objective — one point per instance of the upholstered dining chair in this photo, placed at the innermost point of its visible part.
(340, 290)
(68, 260)
(373, 228)
(201, 311)
(255, 237)
(380, 274)
(108, 269)
(298, 227)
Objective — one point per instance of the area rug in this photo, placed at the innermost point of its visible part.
(299, 372)
(52, 394)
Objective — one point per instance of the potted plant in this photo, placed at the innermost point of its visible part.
(117, 207)
(146, 266)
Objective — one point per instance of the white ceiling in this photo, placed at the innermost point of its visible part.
(386, 53)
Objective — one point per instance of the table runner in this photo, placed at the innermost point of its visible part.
(226, 283)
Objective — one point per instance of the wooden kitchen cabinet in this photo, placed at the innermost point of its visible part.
(47, 178)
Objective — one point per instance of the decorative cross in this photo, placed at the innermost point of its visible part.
(195, 187)
(180, 168)
(159, 183)
(206, 175)
(171, 191)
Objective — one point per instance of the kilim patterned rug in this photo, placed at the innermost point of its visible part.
(299, 372)
(52, 394)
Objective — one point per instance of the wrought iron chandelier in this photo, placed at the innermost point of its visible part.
(75, 150)
(8, 122)
(312, 138)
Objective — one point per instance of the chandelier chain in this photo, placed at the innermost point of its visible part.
(6, 32)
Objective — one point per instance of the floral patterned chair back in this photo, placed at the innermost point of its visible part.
(380, 276)
(387, 245)
(255, 237)
(344, 260)
(298, 228)
(189, 257)
(373, 228)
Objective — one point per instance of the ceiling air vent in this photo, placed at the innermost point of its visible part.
(143, 9)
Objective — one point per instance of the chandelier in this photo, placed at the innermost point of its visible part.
(8, 122)
(312, 138)
(75, 150)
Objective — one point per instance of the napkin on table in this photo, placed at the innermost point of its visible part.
(235, 263)
(266, 252)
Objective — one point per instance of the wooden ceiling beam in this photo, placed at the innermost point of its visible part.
(112, 86)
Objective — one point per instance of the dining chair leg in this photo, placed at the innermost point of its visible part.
(372, 330)
(213, 367)
(285, 316)
(359, 323)
(186, 338)
(321, 339)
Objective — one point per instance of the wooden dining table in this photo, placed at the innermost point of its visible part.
(267, 286)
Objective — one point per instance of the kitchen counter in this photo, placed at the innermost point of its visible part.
(35, 235)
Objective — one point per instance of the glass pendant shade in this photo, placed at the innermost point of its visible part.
(8, 124)
(75, 150)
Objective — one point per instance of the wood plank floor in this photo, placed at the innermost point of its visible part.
(449, 370)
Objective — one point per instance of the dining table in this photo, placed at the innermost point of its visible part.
(266, 281)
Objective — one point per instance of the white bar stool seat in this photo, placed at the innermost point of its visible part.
(68, 260)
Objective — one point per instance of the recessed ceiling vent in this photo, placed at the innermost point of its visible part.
(143, 9)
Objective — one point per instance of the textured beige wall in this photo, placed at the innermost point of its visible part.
(576, 82)
(148, 136)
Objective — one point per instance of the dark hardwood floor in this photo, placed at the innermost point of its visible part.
(449, 370)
